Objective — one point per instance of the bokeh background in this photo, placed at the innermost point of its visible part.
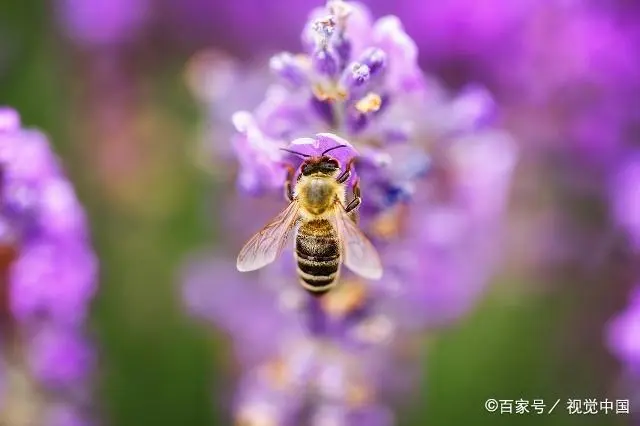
(108, 80)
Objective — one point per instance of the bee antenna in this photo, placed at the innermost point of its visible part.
(333, 147)
(295, 152)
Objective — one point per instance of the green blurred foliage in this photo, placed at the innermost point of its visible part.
(158, 368)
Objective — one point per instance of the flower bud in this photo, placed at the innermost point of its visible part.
(326, 62)
(355, 76)
(289, 68)
(375, 59)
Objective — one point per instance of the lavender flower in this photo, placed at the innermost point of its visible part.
(379, 101)
(608, 126)
(48, 280)
(624, 334)
(416, 127)
(434, 175)
(623, 340)
(623, 331)
(338, 371)
(447, 32)
(626, 198)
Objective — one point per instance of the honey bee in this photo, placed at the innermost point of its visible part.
(326, 234)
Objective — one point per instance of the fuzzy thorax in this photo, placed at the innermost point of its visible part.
(317, 194)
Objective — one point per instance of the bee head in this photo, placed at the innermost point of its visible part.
(324, 165)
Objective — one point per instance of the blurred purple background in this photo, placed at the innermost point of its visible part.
(137, 99)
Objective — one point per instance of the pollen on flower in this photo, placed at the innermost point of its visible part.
(370, 103)
(345, 298)
(332, 93)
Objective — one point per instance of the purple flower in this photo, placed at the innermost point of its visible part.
(49, 270)
(434, 176)
(449, 244)
(377, 98)
(346, 364)
(623, 331)
(59, 357)
(569, 87)
(405, 128)
(625, 190)
(624, 334)
(445, 31)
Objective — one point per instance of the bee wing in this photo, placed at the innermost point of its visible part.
(359, 254)
(265, 246)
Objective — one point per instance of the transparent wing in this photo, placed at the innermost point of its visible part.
(265, 246)
(359, 254)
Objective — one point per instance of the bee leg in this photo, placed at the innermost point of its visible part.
(344, 176)
(352, 207)
(288, 187)
(353, 204)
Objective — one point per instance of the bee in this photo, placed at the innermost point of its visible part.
(326, 234)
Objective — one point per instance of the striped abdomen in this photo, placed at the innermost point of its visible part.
(318, 256)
